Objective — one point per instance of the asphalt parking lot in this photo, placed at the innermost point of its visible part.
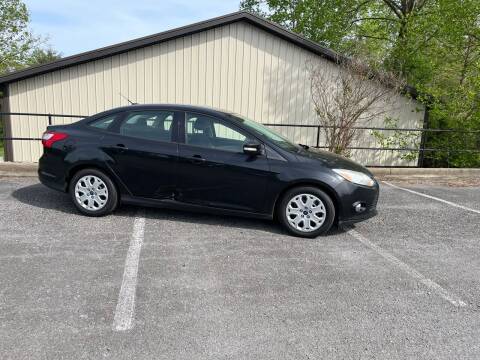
(405, 284)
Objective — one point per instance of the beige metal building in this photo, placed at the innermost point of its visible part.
(238, 62)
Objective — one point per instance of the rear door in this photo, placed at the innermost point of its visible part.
(145, 152)
(213, 170)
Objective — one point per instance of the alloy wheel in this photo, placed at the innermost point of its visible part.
(305, 212)
(91, 192)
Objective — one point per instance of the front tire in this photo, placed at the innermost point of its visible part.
(306, 211)
(93, 192)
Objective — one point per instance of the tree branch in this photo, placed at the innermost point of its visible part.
(357, 9)
(421, 4)
(394, 7)
(373, 18)
(374, 37)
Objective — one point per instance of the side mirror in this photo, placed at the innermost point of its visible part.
(252, 149)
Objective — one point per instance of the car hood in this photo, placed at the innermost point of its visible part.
(332, 161)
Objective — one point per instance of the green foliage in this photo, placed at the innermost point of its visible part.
(448, 69)
(433, 44)
(16, 40)
(398, 139)
(324, 21)
(42, 56)
(19, 47)
(454, 149)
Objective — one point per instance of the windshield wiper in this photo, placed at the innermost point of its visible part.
(306, 147)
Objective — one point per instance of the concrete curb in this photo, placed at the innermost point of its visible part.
(18, 169)
(425, 171)
(30, 170)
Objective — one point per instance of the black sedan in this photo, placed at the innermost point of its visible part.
(194, 158)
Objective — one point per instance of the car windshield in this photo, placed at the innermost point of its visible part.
(267, 133)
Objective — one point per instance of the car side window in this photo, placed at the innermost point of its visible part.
(209, 132)
(151, 125)
(103, 123)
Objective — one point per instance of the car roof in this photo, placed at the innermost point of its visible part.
(180, 107)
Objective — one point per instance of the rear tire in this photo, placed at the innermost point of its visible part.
(306, 211)
(93, 192)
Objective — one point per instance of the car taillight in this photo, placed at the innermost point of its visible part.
(50, 137)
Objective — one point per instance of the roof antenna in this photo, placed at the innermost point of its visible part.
(131, 102)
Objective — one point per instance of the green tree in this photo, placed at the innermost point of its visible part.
(377, 26)
(433, 44)
(324, 21)
(16, 39)
(42, 56)
(443, 61)
(19, 47)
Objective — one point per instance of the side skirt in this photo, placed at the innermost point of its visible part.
(177, 205)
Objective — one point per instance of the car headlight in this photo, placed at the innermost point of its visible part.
(355, 177)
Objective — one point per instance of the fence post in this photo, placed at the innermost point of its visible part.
(49, 119)
(423, 138)
(318, 136)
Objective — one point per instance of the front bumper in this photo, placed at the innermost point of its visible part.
(350, 195)
(364, 216)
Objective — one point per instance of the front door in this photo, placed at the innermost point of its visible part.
(144, 152)
(213, 170)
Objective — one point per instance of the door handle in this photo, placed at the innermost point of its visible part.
(120, 147)
(197, 159)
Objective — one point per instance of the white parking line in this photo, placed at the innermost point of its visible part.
(433, 198)
(124, 312)
(453, 299)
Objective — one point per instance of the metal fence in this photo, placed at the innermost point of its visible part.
(414, 145)
(424, 145)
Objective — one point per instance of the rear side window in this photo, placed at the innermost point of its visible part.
(151, 125)
(103, 123)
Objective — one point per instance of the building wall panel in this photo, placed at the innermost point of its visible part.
(237, 67)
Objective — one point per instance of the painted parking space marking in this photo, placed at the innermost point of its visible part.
(445, 294)
(125, 310)
(433, 198)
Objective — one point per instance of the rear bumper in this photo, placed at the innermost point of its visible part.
(51, 181)
(49, 175)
